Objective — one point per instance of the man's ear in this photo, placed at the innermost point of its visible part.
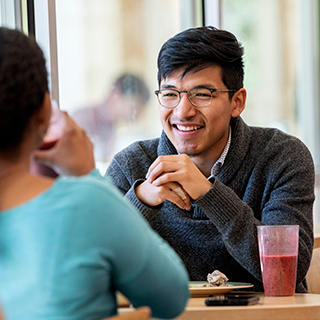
(238, 102)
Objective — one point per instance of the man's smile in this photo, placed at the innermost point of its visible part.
(186, 128)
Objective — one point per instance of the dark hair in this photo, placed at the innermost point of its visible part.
(23, 84)
(131, 85)
(198, 48)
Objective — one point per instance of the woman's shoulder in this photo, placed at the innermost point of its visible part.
(92, 184)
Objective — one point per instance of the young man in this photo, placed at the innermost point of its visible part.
(210, 180)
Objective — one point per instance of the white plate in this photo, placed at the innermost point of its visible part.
(197, 288)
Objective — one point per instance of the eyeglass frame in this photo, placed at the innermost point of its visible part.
(187, 92)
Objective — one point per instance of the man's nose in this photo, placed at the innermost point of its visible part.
(185, 109)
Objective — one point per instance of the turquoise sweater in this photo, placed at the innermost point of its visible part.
(65, 253)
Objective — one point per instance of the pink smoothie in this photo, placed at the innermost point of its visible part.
(48, 144)
(279, 274)
(37, 168)
(54, 133)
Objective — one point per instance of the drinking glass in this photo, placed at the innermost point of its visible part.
(278, 249)
(53, 134)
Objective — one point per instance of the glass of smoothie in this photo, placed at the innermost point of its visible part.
(278, 249)
(53, 134)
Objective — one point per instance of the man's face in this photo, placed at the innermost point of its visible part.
(199, 131)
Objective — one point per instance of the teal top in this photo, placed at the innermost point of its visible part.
(64, 253)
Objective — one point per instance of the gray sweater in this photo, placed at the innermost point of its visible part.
(267, 178)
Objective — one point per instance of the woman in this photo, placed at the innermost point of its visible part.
(68, 244)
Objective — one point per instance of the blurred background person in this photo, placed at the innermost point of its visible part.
(124, 104)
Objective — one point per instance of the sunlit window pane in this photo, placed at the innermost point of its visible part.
(267, 30)
(107, 52)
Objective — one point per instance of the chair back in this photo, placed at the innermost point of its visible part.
(142, 313)
(313, 275)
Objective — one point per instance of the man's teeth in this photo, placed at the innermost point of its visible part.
(191, 128)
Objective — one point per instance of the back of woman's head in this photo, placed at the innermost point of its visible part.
(23, 84)
(197, 48)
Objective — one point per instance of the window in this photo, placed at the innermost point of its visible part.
(107, 66)
(275, 76)
(281, 43)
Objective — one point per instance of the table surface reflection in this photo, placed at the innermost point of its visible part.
(297, 307)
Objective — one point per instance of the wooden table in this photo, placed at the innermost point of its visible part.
(300, 306)
(297, 307)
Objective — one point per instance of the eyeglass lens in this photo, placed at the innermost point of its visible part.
(199, 97)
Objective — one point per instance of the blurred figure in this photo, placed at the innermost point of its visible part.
(123, 104)
(68, 244)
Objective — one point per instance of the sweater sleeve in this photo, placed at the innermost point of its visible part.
(286, 185)
(121, 180)
(144, 267)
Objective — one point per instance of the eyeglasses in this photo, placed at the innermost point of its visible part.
(199, 97)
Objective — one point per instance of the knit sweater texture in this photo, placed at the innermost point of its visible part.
(267, 179)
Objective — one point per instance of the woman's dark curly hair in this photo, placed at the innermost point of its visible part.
(23, 84)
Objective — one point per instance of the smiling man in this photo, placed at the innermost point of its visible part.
(210, 179)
